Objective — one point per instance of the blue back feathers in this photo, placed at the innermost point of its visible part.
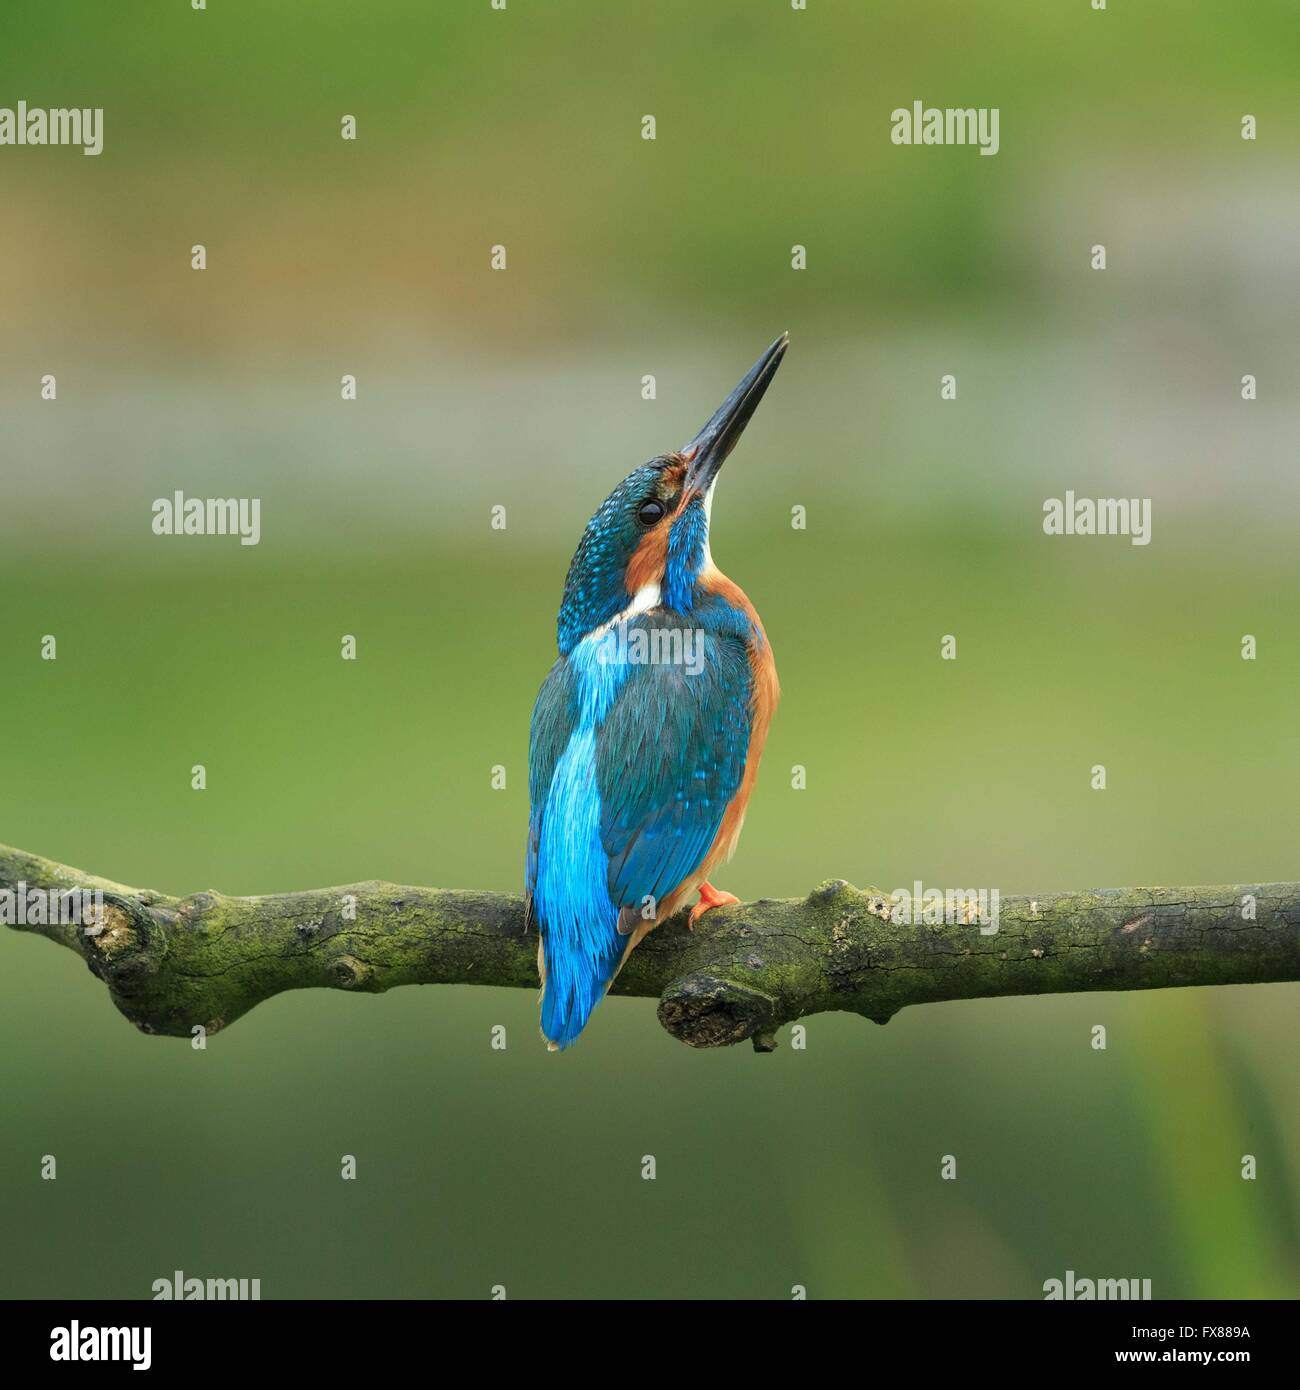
(631, 769)
(570, 892)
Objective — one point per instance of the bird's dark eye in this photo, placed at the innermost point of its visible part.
(650, 512)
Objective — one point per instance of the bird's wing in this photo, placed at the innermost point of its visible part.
(670, 756)
(554, 717)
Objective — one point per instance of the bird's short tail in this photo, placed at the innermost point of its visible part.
(574, 984)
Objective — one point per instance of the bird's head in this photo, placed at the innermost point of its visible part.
(648, 542)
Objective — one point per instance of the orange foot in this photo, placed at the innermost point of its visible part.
(710, 897)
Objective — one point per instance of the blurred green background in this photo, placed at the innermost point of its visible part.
(523, 389)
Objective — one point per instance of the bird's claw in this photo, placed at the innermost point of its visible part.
(710, 897)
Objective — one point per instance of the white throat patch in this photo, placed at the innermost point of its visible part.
(708, 522)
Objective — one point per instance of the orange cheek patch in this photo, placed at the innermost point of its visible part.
(651, 554)
(648, 559)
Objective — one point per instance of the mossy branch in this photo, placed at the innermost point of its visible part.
(171, 964)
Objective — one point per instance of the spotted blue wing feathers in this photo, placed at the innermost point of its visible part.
(670, 758)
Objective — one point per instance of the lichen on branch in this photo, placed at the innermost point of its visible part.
(174, 964)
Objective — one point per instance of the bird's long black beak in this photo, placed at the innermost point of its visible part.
(707, 452)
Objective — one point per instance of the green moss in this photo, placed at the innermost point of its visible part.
(172, 964)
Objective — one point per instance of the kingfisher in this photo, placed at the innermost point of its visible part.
(647, 732)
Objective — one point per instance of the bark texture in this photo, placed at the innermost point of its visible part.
(173, 963)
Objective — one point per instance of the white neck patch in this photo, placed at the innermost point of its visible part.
(645, 598)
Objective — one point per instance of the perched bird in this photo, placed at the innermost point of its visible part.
(647, 732)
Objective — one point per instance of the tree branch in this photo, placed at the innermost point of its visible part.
(171, 964)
